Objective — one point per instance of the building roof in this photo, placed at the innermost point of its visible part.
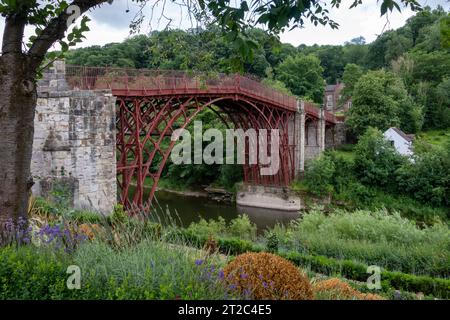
(407, 137)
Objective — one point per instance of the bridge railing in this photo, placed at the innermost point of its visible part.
(313, 110)
(172, 82)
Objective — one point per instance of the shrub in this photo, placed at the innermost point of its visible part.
(428, 178)
(267, 276)
(33, 273)
(84, 217)
(118, 215)
(43, 207)
(242, 227)
(204, 228)
(272, 243)
(319, 175)
(357, 194)
(334, 289)
(376, 160)
(235, 246)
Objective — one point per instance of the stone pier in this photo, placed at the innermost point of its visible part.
(74, 149)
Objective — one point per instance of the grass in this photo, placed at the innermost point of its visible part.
(346, 151)
(438, 138)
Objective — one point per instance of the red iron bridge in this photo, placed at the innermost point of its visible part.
(151, 104)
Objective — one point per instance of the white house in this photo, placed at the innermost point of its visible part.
(401, 141)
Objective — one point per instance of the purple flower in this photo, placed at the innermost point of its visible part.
(198, 262)
(244, 276)
(221, 274)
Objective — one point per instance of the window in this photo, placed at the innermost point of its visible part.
(392, 142)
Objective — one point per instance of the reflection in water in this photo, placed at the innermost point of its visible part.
(264, 218)
(181, 209)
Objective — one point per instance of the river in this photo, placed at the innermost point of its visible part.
(183, 209)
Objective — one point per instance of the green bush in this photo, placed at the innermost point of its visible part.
(205, 228)
(84, 216)
(240, 227)
(319, 175)
(428, 177)
(376, 161)
(272, 242)
(43, 207)
(31, 273)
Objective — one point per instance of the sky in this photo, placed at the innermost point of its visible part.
(110, 23)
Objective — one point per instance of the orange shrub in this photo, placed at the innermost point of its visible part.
(336, 289)
(370, 296)
(267, 276)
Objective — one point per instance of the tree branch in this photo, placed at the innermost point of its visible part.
(13, 34)
(55, 30)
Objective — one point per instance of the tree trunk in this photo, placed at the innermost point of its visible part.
(17, 107)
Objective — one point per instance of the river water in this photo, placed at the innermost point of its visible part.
(182, 209)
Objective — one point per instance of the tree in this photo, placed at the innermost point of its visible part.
(355, 53)
(352, 73)
(357, 41)
(332, 60)
(19, 66)
(303, 76)
(380, 100)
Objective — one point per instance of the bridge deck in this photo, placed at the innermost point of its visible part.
(144, 82)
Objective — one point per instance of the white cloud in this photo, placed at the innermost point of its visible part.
(364, 20)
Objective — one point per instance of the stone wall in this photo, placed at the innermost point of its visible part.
(340, 134)
(74, 143)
